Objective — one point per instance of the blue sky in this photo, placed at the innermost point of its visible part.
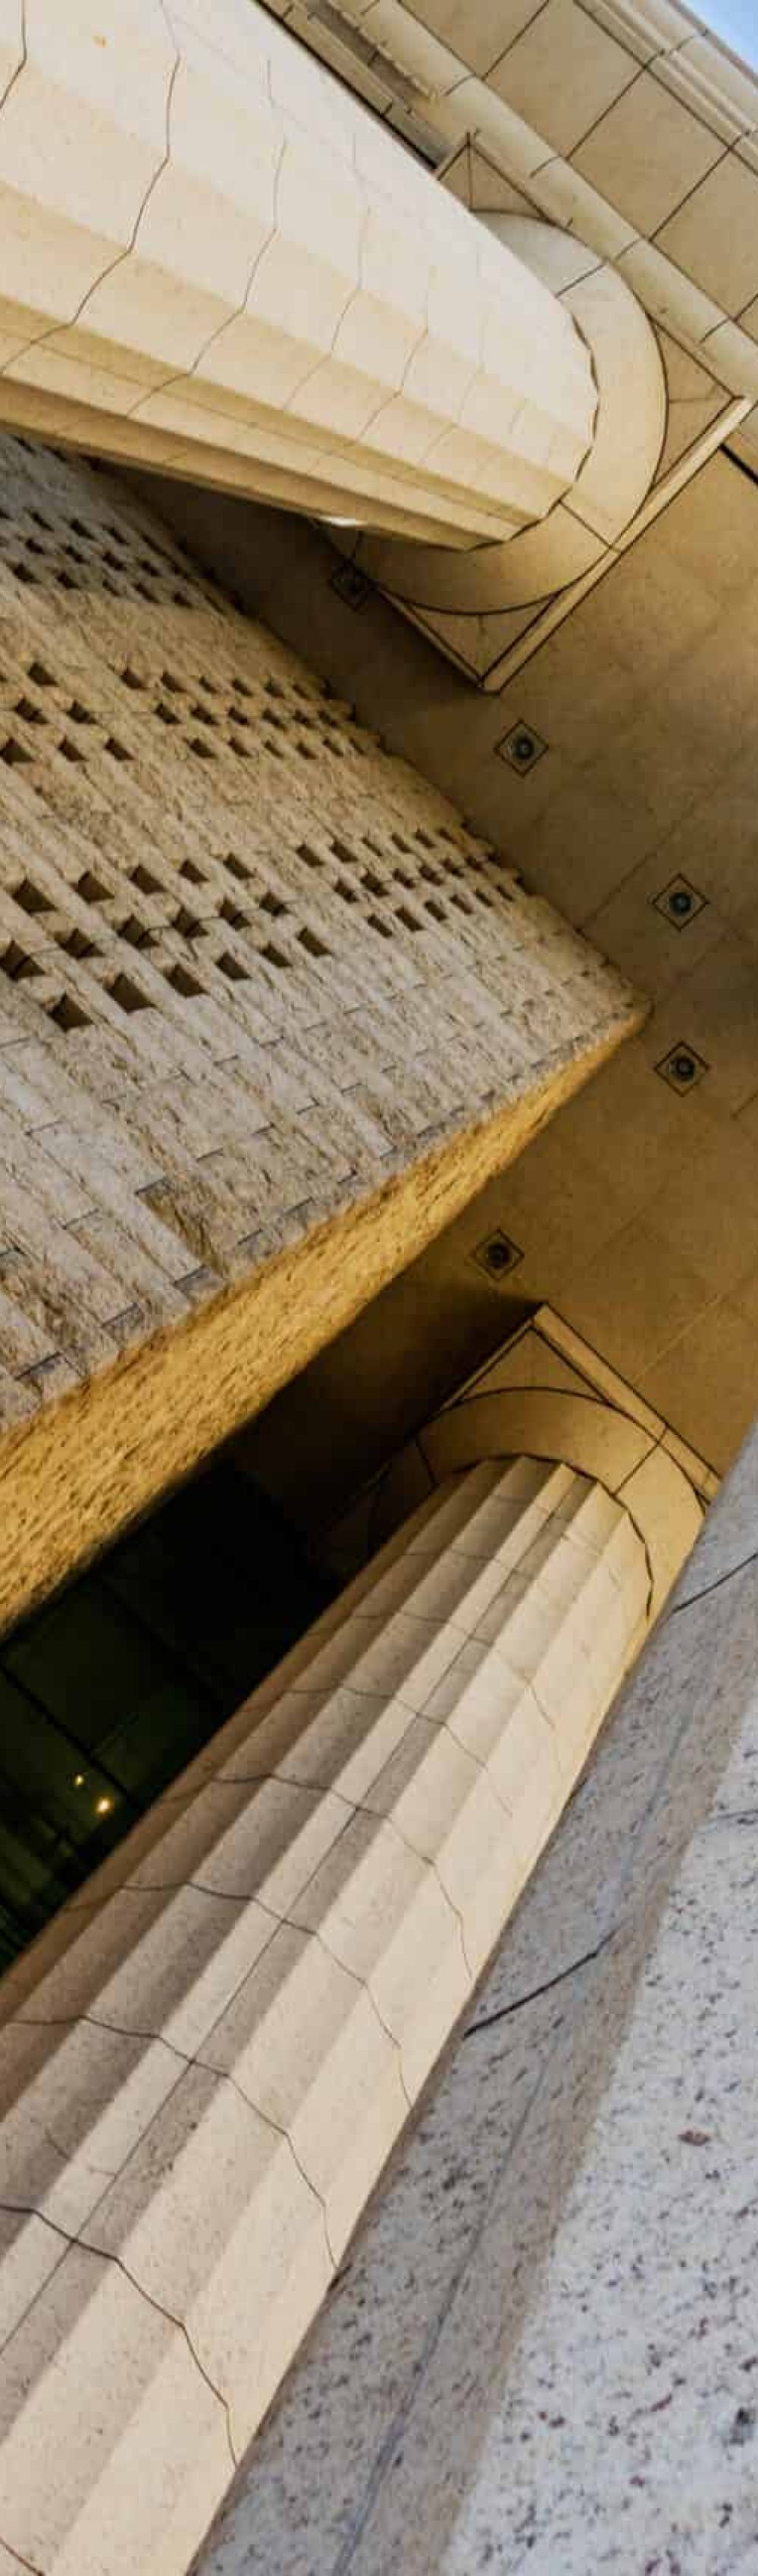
(736, 21)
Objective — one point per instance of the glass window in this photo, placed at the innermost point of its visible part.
(111, 1688)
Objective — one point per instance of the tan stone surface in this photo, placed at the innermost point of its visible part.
(269, 1014)
(637, 1210)
(100, 1457)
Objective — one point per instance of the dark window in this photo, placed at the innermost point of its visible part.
(107, 1692)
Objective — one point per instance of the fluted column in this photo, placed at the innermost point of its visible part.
(216, 260)
(204, 2083)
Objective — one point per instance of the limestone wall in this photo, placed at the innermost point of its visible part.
(268, 1014)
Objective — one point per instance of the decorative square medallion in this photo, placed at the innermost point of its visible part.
(682, 1068)
(351, 585)
(522, 748)
(497, 1255)
(679, 903)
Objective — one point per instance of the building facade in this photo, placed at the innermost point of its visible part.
(378, 1284)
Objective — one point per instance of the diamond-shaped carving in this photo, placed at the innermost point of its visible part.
(352, 586)
(679, 902)
(522, 748)
(498, 1255)
(682, 1068)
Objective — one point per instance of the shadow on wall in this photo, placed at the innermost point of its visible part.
(367, 1393)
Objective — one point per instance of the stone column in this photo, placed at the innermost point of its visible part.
(216, 260)
(542, 2352)
(209, 2057)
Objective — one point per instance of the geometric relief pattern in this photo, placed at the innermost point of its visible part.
(250, 966)
(203, 2086)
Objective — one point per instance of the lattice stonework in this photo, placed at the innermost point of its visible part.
(251, 968)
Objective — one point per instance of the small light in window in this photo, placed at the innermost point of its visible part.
(103, 1806)
(78, 1779)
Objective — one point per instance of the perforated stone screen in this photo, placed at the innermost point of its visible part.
(252, 970)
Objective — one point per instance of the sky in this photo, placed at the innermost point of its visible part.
(736, 21)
